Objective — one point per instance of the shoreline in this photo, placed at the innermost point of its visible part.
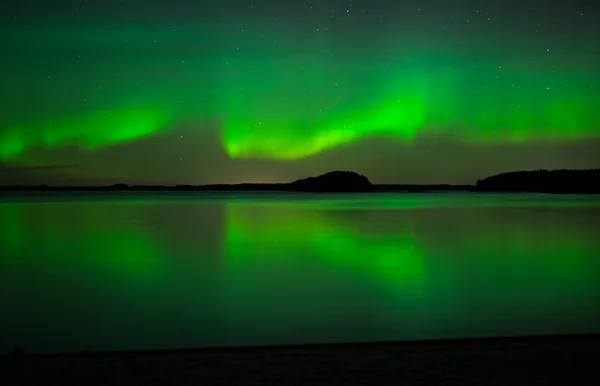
(275, 188)
(558, 181)
(548, 360)
(402, 344)
(415, 189)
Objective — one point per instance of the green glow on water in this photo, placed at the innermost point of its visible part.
(71, 230)
(233, 271)
(393, 259)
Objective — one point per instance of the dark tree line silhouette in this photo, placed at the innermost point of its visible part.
(543, 181)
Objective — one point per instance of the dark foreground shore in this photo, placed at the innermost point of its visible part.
(559, 360)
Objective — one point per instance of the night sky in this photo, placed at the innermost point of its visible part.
(193, 92)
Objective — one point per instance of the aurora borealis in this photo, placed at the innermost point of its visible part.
(406, 92)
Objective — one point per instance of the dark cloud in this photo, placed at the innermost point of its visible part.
(16, 174)
(47, 167)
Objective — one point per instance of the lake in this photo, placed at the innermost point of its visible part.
(161, 270)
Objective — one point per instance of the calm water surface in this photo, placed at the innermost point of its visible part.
(111, 271)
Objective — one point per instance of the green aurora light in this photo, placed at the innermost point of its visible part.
(92, 130)
(289, 100)
(412, 102)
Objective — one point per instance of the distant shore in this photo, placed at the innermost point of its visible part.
(536, 181)
(249, 187)
(548, 360)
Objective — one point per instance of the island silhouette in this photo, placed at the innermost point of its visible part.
(543, 181)
(337, 181)
(536, 181)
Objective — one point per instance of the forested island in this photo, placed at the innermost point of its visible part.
(543, 181)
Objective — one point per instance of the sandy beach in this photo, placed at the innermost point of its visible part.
(556, 360)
